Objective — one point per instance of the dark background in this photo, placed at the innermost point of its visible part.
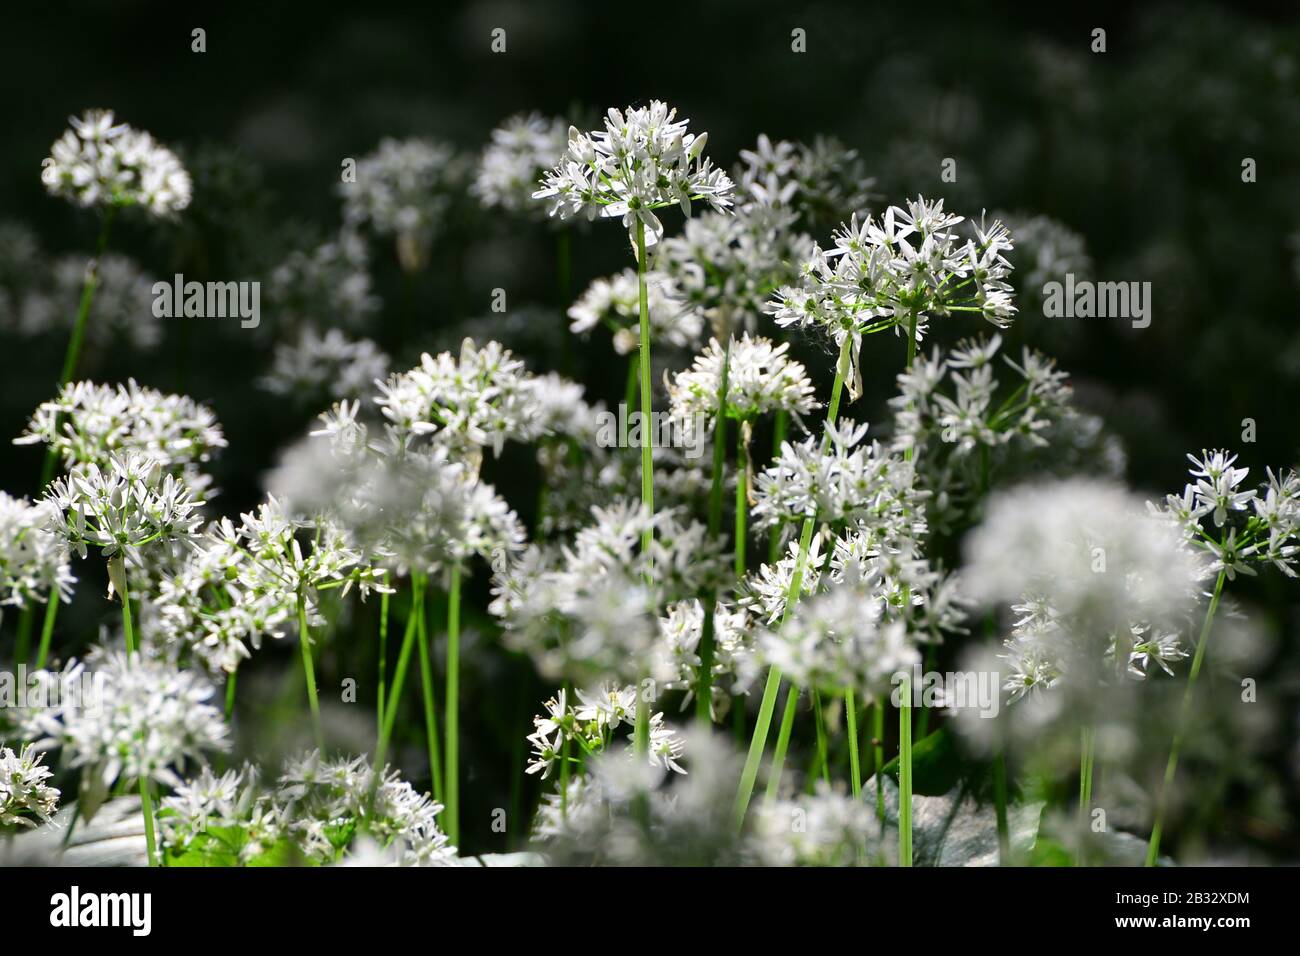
(1138, 149)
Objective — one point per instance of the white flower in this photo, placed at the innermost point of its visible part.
(331, 364)
(33, 560)
(761, 379)
(326, 284)
(523, 147)
(641, 161)
(122, 507)
(615, 303)
(23, 791)
(123, 306)
(100, 163)
(825, 828)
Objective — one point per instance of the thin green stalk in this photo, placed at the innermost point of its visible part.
(641, 737)
(851, 719)
(309, 670)
(1000, 803)
(905, 772)
(383, 653)
(819, 721)
(394, 695)
(742, 499)
(47, 629)
(758, 742)
(146, 801)
(1171, 768)
(704, 680)
(647, 432)
(778, 438)
(1087, 753)
(782, 742)
(230, 695)
(428, 694)
(452, 814)
(878, 753)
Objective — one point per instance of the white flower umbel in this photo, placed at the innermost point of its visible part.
(614, 302)
(406, 189)
(123, 303)
(24, 793)
(824, 828)
(329, 283)
(761, 379)
(521, 150)
(100, 163)
(325, 365)
(33, 560)
(899, 273)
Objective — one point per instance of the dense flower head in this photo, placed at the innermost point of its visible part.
(122, 507)
(100, 163)
(33, 560)
(405, 189)
(822, 183)
(761, 379)
(329, 283)
(148, 719)
(643, 160)
(89, 424)
(900, 271)
(24, 793)
(682, 628)
(590, 724)
(480, 399)
(823, 828)
(615, 303)
(1239, 527)
(521, 150)
(590, 611)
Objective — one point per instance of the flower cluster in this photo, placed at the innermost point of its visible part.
(897, 274)
(1246, 527)
(330, 365)
(681, 631)
(641, 161)
(823, 183)
(328, 284)
(24, 792)
(522, 149)
(123, 302)
(761, 379)
(615, 303)
(824, 828)
(33, 560)
(591, 725)
(99, 163)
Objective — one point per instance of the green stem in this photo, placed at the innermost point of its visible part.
(47, 629)
(742, 499)
(647, 432)
(230, 695)
(1087, 752)
(146, 801)
(851, 718)
(452, 815)
(1000, 803)
(309, 670)
(383, 653)
(878, 753)
(1171, 768)
(905, 773)
(704, 680)
(778, 437)
(819, 722)
(428, 695)
(394, 694)
(782, 743)
(758, 742)
(642, 734)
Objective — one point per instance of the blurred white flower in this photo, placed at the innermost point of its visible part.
(615, 303)
(33, 560)
(521, 150)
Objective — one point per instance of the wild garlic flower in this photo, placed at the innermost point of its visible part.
(1088, 574)
(761, 379)
(480, 399)
(615, 303)
(123, 507)
(590, 612)
(1047, 251)
(150, 719)
(24, 793)
(843, 639)
(823, 182)
(329, 365)
(406, 189)
(726, 266)
(824, 828)
(842, 480)
(590, 726)
(681, 631)
(99, 163)
(33, 560)
(901, 271)
(89, 424)
(627, 812)
(641, 161)
(1238, 527)
(522, 149)
(226, 820)
(329, 802)
(123, 310)
(329, 284)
